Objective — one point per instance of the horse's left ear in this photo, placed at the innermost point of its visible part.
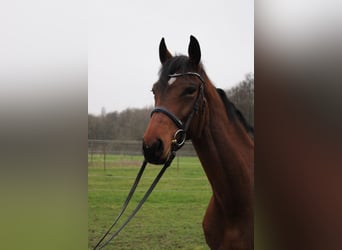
(194, 51)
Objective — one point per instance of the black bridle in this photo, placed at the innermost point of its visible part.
(177, 143)
(180, 135)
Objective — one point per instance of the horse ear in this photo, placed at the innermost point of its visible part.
(194, 51)
(164, 54)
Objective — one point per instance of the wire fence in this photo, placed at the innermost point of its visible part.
(99, 150)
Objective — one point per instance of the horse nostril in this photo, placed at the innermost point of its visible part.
(159, 145)
(153, 152)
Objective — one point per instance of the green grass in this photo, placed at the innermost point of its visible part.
(172, 216)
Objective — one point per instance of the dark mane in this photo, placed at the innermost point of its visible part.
(234, 113)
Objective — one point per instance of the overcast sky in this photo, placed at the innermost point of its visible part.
(123, 40)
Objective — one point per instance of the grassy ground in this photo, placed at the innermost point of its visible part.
(170, 219)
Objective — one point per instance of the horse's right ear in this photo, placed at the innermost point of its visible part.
(164, 54)
(194, 51)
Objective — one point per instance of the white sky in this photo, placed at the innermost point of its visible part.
(123, 40)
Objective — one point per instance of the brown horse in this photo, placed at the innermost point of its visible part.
(188, 106)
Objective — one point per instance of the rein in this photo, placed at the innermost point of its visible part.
(177, 143)
(142, 201)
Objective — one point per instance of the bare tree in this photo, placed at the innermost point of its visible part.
(130, 124)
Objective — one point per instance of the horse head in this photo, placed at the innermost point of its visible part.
(179, 103)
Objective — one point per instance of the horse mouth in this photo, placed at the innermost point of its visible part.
(155, 161)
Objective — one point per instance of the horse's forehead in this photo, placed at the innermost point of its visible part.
(163, 83)
(171, 80)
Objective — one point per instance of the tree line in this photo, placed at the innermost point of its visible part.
(131, 123)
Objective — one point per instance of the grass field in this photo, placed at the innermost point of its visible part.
(170, 219)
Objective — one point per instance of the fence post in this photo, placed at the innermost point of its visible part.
(178, 163)
(104, 149)
(91, 153)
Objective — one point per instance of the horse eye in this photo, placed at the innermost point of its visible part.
(189, 91)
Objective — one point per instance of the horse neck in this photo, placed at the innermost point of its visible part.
(227, 155)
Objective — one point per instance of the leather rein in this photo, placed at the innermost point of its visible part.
(177, 143)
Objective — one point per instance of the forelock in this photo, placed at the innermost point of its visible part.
(176, 64)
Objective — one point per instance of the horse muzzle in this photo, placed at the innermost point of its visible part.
(154, 152)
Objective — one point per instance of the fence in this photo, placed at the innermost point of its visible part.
(125, 148)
